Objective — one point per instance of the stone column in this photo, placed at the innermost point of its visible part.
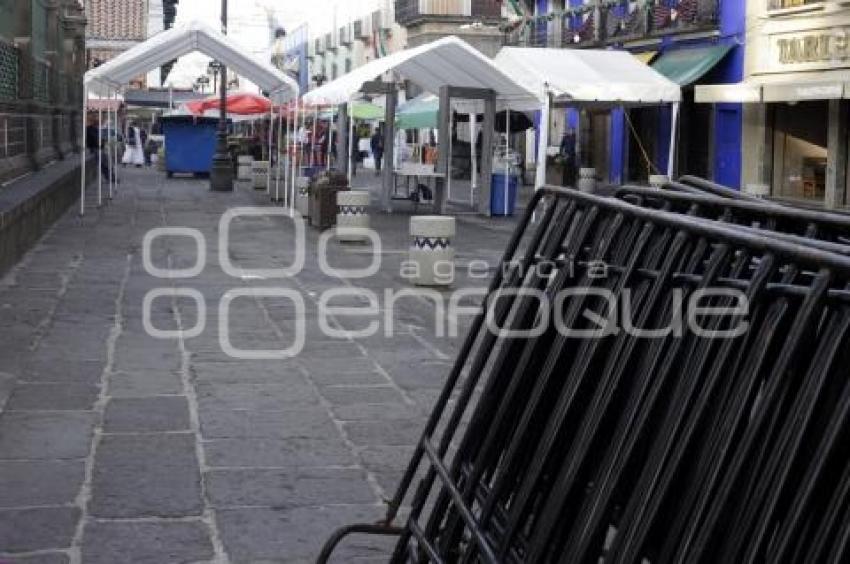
(488, 128)
(836, 163)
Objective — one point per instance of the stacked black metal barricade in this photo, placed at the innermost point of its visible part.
(675, 390)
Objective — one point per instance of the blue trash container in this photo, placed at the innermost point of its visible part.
(189, 144)
(497, 194)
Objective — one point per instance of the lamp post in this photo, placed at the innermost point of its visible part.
(221, 175)
(213, 69)
(202, 82)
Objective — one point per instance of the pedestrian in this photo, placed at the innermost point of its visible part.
(567, 154)
(377, 145)
(354, 150)
(146, 155)
(91, 136)
(134, 152)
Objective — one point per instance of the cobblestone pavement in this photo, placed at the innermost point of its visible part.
(117, 447)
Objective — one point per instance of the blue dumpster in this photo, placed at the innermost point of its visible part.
(497, 194)
(189, 144)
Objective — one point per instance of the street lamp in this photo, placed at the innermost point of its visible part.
(221, 175)
(203, 82)
(213, 68)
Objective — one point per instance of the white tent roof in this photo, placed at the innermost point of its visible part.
(446, 62)
(588, 76)
(175, 42)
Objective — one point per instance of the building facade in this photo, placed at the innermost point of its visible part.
(797, 85)
(474, 21)
(42, 60)
(350, 44)
(117, 25)
(692, 42)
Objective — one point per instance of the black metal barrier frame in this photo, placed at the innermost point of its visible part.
(620, 445)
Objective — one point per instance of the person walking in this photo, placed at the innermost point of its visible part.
(354, 150)
(567, 153)
(134, 152)
(376, 143)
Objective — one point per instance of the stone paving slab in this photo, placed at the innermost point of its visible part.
(27, 530)
(146, 543)
(147, 415)
(146, 476)
(118, 447)
(45, 435)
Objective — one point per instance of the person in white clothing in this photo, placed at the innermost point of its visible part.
(134, 154)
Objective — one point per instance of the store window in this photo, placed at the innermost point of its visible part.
(800, 150)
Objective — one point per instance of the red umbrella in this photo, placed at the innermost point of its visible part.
(242, 104)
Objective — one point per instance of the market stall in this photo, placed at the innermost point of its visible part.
(586, 78)
(111, 78)
(448, 67)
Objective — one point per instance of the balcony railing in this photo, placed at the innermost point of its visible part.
(619, 23)
(409, 11)
(785, 4)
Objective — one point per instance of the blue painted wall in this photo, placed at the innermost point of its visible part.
(728, 121)
(727, 117)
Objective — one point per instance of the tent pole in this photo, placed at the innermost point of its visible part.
(100, 153)
(83, 150)
(287, 171)
(302, 158)
(314, 136)
(543, 143)
(114, 151)
(328, 151)
(507, 153)
(290, 196)
(277, 161)
(473, 158)
(115, 156)
(674, 130)
(449, 164)
(299, 155)
(350, 117)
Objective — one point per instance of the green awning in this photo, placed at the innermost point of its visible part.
(686, 66)
(419, 113)
(359, 110)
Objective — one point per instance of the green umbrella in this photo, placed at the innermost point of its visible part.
(419, 113)
(359, 110)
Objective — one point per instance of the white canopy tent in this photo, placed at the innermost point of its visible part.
(446, 62)
(108, 79)
(587, 77)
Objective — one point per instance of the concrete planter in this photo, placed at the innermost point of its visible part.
(302, 204)
(260, 172)
(352, 214)
(587, 180)
(658, 180)
(760, 190)
(431, 251)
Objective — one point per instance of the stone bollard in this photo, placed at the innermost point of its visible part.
(260, 171)
(758, 190)
(244, 167)
(587, 180)
(658, 180)
(302, 198)
(352, 215)
(432, 252)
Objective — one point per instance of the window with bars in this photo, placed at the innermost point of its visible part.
(9, 71)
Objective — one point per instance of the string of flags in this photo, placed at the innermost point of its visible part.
(664, 12)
